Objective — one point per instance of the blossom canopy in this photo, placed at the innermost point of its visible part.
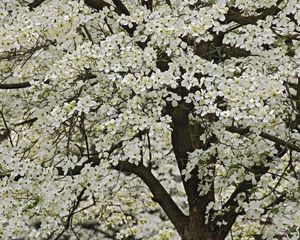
(150, 119)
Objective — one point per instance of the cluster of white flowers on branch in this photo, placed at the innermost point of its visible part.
(151, 119)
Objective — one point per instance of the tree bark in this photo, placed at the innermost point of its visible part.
(183, 142)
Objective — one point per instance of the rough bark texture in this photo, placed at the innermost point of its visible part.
(183, 142)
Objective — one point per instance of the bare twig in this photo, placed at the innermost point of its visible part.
(7, 129)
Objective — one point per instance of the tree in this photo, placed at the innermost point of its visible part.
(127, 119)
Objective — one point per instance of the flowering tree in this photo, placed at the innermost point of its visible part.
(141, 119)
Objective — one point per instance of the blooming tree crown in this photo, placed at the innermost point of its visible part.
(116, 114)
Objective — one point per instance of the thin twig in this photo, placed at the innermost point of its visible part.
(7, 129)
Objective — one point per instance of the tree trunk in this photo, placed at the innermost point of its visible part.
(197, 231)
(195, 234)
(185, 138)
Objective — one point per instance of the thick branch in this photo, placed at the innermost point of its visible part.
(169, 3)
(280, 141)
(234, 16)
(97, 4)
(100, 4)
(86, 76)
(161, 196)
(148, 4)
(15, 85)
(243, 187)
(35, 4)
(230, 216)
(244, 131)
(120, 5)
(215, 49)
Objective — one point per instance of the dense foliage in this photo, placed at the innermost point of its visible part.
(149, 119)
